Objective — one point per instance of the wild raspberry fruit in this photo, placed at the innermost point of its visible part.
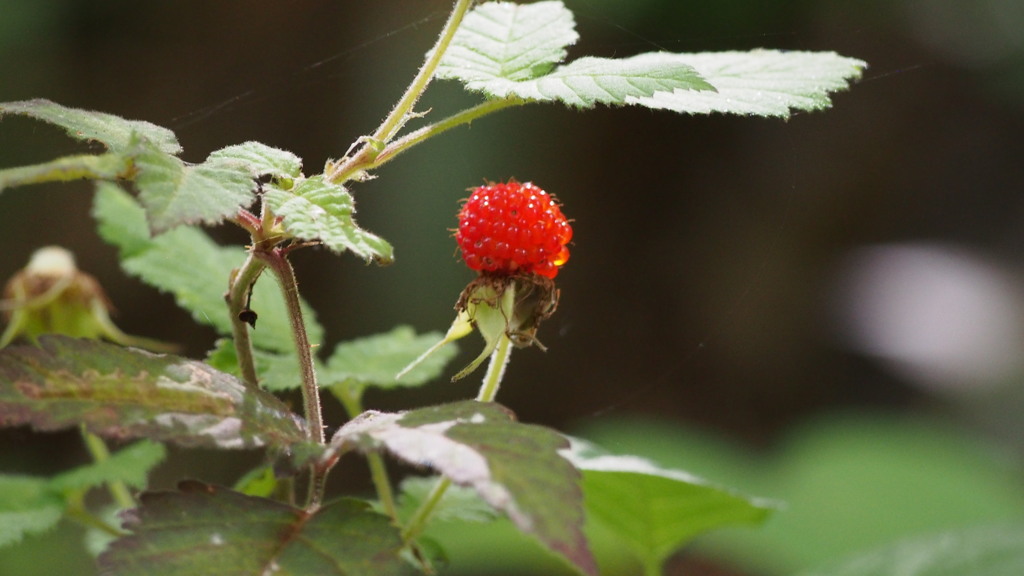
(513, 229)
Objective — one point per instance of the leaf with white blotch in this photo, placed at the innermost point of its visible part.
(259, 160)
(760, 83)
(123, 393)
(506, 40)
(27, 506)
(656, 511)
(509, 50)
(320, 211)
(176, 193)
(375, 360)
(514, 467)
(130, 465)
(203, 529)
(117, 134)
(187, 263)
(993, 550)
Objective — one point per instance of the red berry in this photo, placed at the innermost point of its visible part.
(513, 228)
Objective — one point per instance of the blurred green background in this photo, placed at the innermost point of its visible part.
(735, 283)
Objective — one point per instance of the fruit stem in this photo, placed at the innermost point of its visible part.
(495, 369)
(282, 268)
(403, 110)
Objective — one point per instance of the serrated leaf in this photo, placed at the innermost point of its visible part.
(130, 465)
(259, 160)
(117, 134)
(27, 506)
(214, 531)
(108, 166)
(123, 393)
(514, 467)
(511, 41)
(656, 510)
(760, 83)
(508, 50)
(176, 193)
(317, 210)
(188, 264)
(375, 360)
(588, 81)
(979, 551)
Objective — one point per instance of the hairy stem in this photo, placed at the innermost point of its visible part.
(403, 110)
(495, 370)
(310, 391)
(100, 453)
(238, 298)
(458, 119)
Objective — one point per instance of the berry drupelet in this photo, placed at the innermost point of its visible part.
(513, 229)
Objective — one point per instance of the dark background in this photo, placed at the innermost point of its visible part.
(703, 275)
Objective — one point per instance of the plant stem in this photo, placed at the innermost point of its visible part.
(100, 453)
(350, 395)
(310, 390)
(403, 110)
(77, 512)
(495, 370)
(453, 121)
(238, 297)
(488, 390)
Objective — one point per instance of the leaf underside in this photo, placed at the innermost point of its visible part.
(214, 531)
(507, 50)
(124, 393)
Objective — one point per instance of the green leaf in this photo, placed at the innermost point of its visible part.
(514, 467)
(277, 370)
(210, 530)
(458, 504)
(512, 41)
(655, 510)
(850, 482)
(117, 134)
(27, 506)
(108, 166)
(375, 360)
(979, 551)
(124, 392)
(760, 83)
(130, 465)
(260, 160)
(508, 50)
(189, 265)
(176, 193)
(589, 81)
(317, 210)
